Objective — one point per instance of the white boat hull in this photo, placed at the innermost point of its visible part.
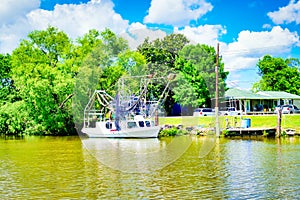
(149, 133)
(99, 131)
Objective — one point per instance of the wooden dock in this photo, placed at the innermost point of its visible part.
(251, 131)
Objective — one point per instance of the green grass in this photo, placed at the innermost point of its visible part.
(257, 121)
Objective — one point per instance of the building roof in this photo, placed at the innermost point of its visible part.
(279, 95)
(234, 93)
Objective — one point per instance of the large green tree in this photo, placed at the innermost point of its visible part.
(44, 81)
(278, 74)
(161, 55)
(196, 65)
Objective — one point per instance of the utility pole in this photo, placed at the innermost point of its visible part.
(217, 94)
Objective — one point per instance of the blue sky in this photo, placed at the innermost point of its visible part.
(246, 30)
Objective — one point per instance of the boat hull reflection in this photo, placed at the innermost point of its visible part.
(136, 155)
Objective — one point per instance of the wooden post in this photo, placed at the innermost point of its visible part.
(278, 131)
(227, 123)
(156, 120)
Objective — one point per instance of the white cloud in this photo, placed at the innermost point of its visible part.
(288, 14)
(244, 53)
(137, 33)
(250, 46)
(176, 12)
(277, 41)
(12, 10)
(207, 34)
(75, 20)
(13, 24)
(10, 35)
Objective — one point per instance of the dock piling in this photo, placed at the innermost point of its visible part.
(278, 130)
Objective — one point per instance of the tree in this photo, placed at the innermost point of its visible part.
(44, 81)
(278, 74)
(161, 55)
(11, 117)
(133, 62)
(43, 71)
(7, 90)
(196, 64)
(101, 70)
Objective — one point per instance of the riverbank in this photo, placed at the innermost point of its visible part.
(204, 124)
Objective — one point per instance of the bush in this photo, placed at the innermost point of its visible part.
(12, 119)
(168, 132)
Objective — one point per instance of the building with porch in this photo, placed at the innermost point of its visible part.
(263, 101)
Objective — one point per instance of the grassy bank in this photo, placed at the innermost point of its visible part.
(257, 121)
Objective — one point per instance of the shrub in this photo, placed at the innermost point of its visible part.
(168, 132)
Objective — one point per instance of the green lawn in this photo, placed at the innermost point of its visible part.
(259, 121)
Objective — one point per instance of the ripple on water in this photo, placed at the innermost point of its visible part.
(234, 169)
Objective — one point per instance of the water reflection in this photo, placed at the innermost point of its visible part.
(137, 155)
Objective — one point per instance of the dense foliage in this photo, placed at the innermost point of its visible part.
(6, 84)
(194, 66)
(48, 78)
(43, 77)
(279, 75)
(38, 79)
(161, 55)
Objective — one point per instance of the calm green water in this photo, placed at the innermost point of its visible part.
(178, 168)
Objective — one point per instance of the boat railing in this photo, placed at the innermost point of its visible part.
(92, 117)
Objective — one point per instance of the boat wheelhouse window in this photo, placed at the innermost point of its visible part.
(141, 123)
(108, 125)
(152, 123)
(148, 124)
(131, 124)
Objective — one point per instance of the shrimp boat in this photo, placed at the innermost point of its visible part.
(125, 116)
